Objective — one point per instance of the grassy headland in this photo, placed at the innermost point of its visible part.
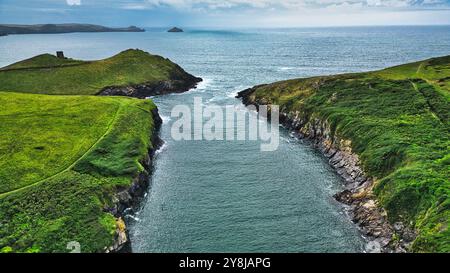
(47, 74)
(71, 163)
(62, 160)
(397, 121)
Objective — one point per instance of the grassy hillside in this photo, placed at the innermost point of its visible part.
(46, 74)
(398, 122)
(61, 160)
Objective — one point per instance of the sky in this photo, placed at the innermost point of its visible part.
(227, 13)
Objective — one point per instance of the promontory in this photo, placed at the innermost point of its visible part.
(74, 164)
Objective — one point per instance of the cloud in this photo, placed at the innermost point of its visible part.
(73, 2)
(283, 4)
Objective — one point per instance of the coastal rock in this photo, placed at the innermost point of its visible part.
(121, 238)
(175, 29)
(153, 89)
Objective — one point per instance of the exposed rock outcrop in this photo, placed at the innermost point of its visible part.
(152, 89)
(361, 204)
(175, 29)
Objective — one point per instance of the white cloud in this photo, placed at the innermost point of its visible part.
(73, 2)
(279, 4)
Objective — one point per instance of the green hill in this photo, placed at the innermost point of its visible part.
(63, 159)
(397, 121)
(47, 74)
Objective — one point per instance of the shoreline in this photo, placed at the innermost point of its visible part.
(362, 206)
(129, 200)
(146, 90)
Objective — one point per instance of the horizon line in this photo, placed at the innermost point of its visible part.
(236, 27)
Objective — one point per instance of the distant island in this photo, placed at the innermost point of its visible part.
(175, 29)
(6, 29)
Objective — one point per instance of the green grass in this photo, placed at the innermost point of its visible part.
(42, 61)
(61, 160)
(46, 74)
(398, 122)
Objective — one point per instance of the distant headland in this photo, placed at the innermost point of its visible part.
(6, 29)
(175, 29)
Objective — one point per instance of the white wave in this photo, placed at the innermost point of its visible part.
(233, 94)
(286, 68)
(213, 99)
(236, 90)
(165, 119)
(203, 85)
(161, 149)
(133, 217)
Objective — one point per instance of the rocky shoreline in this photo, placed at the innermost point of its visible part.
(362, 205)
(146, 90)
(127, 201)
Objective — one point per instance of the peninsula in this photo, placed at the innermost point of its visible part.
(73, 164)
(133, 73)
(61, 28)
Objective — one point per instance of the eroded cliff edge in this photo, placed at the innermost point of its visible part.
(363, 208)
(128, 200)
(177, 83)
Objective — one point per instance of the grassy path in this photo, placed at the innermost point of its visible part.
(108, 130)
(430, 107)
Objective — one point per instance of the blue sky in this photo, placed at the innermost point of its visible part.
(227, 13)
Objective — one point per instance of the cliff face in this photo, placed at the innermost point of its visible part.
(93, 170)
(128, 200)
(153, 88)
(386, 134)
(132, 72)
(362, 205)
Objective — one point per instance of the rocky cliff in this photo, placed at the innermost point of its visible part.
(362, 205)
(127, 201)
(174, 85)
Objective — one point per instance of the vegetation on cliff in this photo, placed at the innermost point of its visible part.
(47, 74)
(62, 160)
(397, 120)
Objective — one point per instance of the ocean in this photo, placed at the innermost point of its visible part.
(229, 196)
